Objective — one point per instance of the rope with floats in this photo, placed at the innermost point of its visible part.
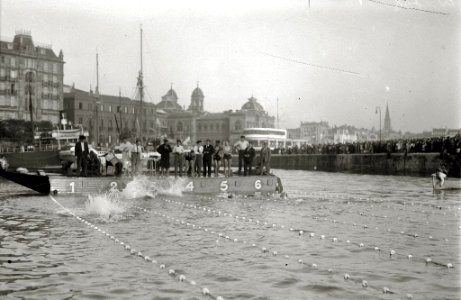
(171, 272)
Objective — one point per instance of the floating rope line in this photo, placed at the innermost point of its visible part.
(334, 239)
(408, 232)
(171, 272)
(409, 8)
(363, 200)
(274, 253)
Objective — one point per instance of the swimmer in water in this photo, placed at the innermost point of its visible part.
(441, 174)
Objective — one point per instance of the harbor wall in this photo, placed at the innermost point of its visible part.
(414, 164)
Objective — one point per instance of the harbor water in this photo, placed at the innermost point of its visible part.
(333, 236)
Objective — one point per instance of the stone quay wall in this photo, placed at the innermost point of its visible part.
(413, 164)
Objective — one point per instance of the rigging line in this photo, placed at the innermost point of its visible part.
(311, 65)
(410, 8)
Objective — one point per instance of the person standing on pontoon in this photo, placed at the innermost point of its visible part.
(198, 150)
(265, 158)
(178, 152)
(136, 151)
(241, 146)
(227, 159)
(125, 147)
(164, 150)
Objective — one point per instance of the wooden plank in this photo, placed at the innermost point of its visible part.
(213, 185)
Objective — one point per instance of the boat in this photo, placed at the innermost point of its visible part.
(57, 184)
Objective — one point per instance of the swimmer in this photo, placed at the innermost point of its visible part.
(441, 174)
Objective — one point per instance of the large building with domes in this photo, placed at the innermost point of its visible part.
(166, 119)
(197, 124)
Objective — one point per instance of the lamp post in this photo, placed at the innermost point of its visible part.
(378, 108)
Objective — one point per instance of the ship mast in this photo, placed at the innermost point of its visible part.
(141, 92)
(98, 102)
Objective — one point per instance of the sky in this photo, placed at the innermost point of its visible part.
(325, 60)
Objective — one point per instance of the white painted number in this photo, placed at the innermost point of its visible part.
(224, 186)
(190, 186)
(113, 186)
(72, 185)
(258, 184)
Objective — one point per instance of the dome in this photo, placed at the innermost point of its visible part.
(197, 93)
(170, 95)
(252, 104)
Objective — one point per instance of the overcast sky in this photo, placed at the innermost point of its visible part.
(333, 60)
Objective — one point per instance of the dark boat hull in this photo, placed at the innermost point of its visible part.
(38, 183)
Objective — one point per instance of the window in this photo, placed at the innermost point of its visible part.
(45, 66)
(80, 120)
(126, 111)
(102, 107)
(199, 127)
(110, 123)
(90, 106)
(55, 105)
(133, 110)
(45, 77)
(179, 126)
(80, 106)
(110, 139)
(217, 127)
(205, 127)
(238, 125)
(13, 74)
(13, 62)
(10, 46)
(55, 79)
(211, 127)
(2, 59)
(2, 72)
(42, 51)
(55, 68)
(110, 108)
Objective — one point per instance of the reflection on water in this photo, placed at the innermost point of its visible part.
(47, 254)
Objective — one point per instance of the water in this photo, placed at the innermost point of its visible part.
(45, 253)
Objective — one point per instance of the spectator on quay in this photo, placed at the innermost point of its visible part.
(198, 150)
(207, 158)
(241, 146)
(227, 159)
(265, 158)
(164, 150)
(248, 155)
(178, 152)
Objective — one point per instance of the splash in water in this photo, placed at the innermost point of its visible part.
(108, 206)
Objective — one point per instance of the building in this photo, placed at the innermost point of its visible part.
(344, 134)
(109, 116)
(30, 72)
(197, 124)
(314, 132)
(168, 119)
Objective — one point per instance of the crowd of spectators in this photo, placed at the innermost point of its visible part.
(443, 145)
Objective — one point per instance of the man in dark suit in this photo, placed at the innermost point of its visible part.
(82, 152)
(208, 151)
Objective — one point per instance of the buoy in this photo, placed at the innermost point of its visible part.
(409, 256)
(171, 271)
(346, 276)
(449, 265)
(205, 291)
(386, 290)
(364, 283)
(392, 252)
